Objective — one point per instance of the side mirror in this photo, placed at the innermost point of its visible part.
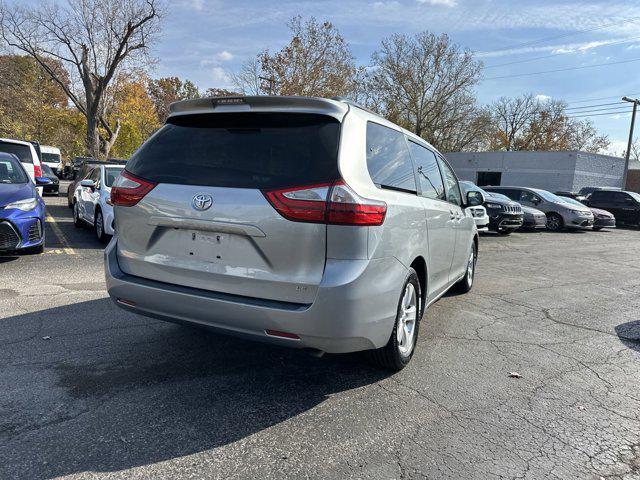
(474, 198)
(41, 181)
(88, 183)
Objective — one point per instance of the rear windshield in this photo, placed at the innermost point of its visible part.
(110, 175)
(23, 152)
(241, 150)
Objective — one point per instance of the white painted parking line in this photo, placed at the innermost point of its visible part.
(61, 236)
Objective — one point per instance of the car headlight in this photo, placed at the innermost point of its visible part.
(493, 205)
(25, 205)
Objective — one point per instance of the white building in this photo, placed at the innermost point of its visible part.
(553, 171)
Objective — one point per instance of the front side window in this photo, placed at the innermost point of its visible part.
(388, 159)
(453, 188)
(429, 177)
(110, 175)
(530, 197)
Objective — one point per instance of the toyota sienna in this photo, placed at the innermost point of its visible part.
(305, 222)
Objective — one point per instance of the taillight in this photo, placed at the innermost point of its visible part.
(127, 190)
(332, 203)
(37, 170)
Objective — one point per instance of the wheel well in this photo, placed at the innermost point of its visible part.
(420, 266)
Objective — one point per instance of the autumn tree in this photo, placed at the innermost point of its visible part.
(247, 80)
(34, 107)
(425, 83)
(165, 91)
(94, 40)
(135, 109)
(316, 62)
(529, 123)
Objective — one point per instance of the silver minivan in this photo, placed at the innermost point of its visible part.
(305, 222)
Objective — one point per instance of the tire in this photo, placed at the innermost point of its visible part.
(554, 222)
(77, 221)
(397, 353)
(466, 284)
(98, 226)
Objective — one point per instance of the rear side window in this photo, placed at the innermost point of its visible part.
(241, 150)
(388, 159)
(23, 152)
(429, 177)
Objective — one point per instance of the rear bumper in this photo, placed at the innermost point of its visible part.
(354, 310)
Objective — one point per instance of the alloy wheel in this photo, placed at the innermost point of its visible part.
(407, 320)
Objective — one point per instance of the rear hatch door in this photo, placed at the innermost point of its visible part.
(207, 224)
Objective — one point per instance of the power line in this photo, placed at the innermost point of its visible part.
(610, 110)
(597, 99)
(598, 114)
(541, 40)
(558, 54)
(562, 69)
(597, 105)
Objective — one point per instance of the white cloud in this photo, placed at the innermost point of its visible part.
(556, 49)
(543, 98)
(446, 3)
(220, 77)
(224, 56)
(197, 5)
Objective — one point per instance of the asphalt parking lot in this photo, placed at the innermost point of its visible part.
(90, 391)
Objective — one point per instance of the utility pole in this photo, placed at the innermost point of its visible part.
(635, 102)
(271, 81)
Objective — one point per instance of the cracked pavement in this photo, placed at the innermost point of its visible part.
(90, 391)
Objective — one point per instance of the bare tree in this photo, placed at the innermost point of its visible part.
(165, 91)
(510, 118)
(422, 82)
(247, 79)
(317, 61)
(527, 123)
(94, 40)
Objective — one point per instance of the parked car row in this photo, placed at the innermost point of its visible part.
(511, 208)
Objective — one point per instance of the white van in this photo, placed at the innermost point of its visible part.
(51, 157)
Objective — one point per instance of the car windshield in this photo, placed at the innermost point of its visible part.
(50, 157)
(47, 169)
(23, 152)
(550, 197)
(110, 175)
(497, 196)
(571, 201)
(11, 171)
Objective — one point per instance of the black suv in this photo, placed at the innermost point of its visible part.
(505, 215)
(624, 205)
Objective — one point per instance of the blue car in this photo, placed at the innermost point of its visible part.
(22, 209)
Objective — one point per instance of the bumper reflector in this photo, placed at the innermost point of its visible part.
(128, 303)
(276, 333)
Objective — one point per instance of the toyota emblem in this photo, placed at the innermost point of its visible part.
(202, 201)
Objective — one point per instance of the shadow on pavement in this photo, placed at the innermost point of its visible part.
(111, 391)
(629, 334)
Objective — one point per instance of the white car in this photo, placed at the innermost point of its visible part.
(51, 157)
(92, 203)
(27, 155)
(479, 214)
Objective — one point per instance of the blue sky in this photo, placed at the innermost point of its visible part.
(204, 40)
